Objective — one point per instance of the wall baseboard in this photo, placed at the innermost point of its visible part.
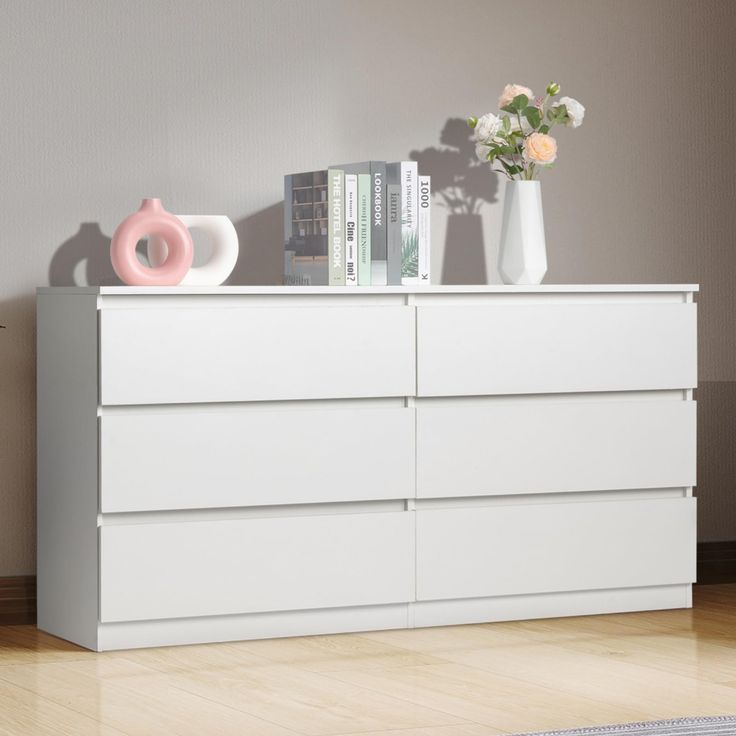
(716, 564)
(18, 600)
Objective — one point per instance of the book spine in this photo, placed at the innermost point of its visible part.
(393, 233)
(424, 222)
(364, 229)
(351, 230)
(336, 227)
(379, 266)
(409, 236)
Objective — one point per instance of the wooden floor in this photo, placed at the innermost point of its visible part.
(454, 681)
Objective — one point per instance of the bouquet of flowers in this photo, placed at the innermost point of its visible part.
(520, 141)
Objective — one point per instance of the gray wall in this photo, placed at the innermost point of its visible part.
(208, 104)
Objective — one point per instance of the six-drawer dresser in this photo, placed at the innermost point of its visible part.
(243, 462)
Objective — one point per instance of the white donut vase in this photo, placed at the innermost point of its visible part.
(222, 259)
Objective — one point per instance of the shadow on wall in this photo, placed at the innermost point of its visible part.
(462, 185)
(84, 259)
(89, 249)
(17, 433)
(261, 238)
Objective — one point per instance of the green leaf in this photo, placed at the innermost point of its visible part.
(472, 122)
(517, 104)
(533, 115)
(520, 102)
(558, 114)
(506, 122)
(544, 129)
(511, 170)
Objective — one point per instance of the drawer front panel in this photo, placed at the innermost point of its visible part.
(185, 355)
(544, 548)
(202, 459)
(521, 349)
(154, 571)
(537, 447)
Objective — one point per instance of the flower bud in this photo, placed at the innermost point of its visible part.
(472, 122)
(553, 88)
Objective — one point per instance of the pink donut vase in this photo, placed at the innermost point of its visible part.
(151, 219)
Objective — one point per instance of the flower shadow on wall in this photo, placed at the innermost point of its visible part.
(462, 185)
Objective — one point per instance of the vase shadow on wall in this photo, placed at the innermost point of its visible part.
(462, 185)
(83, 259)
(261, 239)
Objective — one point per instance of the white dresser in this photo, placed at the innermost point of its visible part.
(246, 462)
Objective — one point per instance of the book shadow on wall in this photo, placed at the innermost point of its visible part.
(462, 185)
(261, 238)
(84, 258)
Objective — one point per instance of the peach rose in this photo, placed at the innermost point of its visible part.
(540, 148)
(513, 90)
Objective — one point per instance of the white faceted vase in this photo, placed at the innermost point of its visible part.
(522, 254)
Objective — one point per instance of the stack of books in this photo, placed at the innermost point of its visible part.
(362, 224)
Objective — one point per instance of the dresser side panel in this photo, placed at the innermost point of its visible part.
(67, 467)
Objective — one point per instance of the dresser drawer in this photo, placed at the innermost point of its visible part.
(547, 348)
(543, 548)
(234, 456)
(530, 446)
(208, 568)
(199, 354)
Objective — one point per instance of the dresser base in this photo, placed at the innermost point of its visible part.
(168, 632)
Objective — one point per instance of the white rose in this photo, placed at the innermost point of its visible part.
(575, 111)
(486, 127)
(481, 151)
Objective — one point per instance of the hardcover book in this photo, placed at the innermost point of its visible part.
(424, 222)
(364, 229)
(351, 230)
(305, 229)
(336, 227)
(393, 233)
(377, 172)
(405, 174)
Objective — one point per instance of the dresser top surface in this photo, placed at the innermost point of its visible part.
(362, 290)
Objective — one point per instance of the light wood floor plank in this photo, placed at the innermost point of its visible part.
(489, 699)
(482, 680)
(134, 699)
(616, 683)
(23, 713)
(473, 729)
(334, 653)
(26, 644)
(308, 702)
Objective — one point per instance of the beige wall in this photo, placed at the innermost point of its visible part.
(208, 104)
